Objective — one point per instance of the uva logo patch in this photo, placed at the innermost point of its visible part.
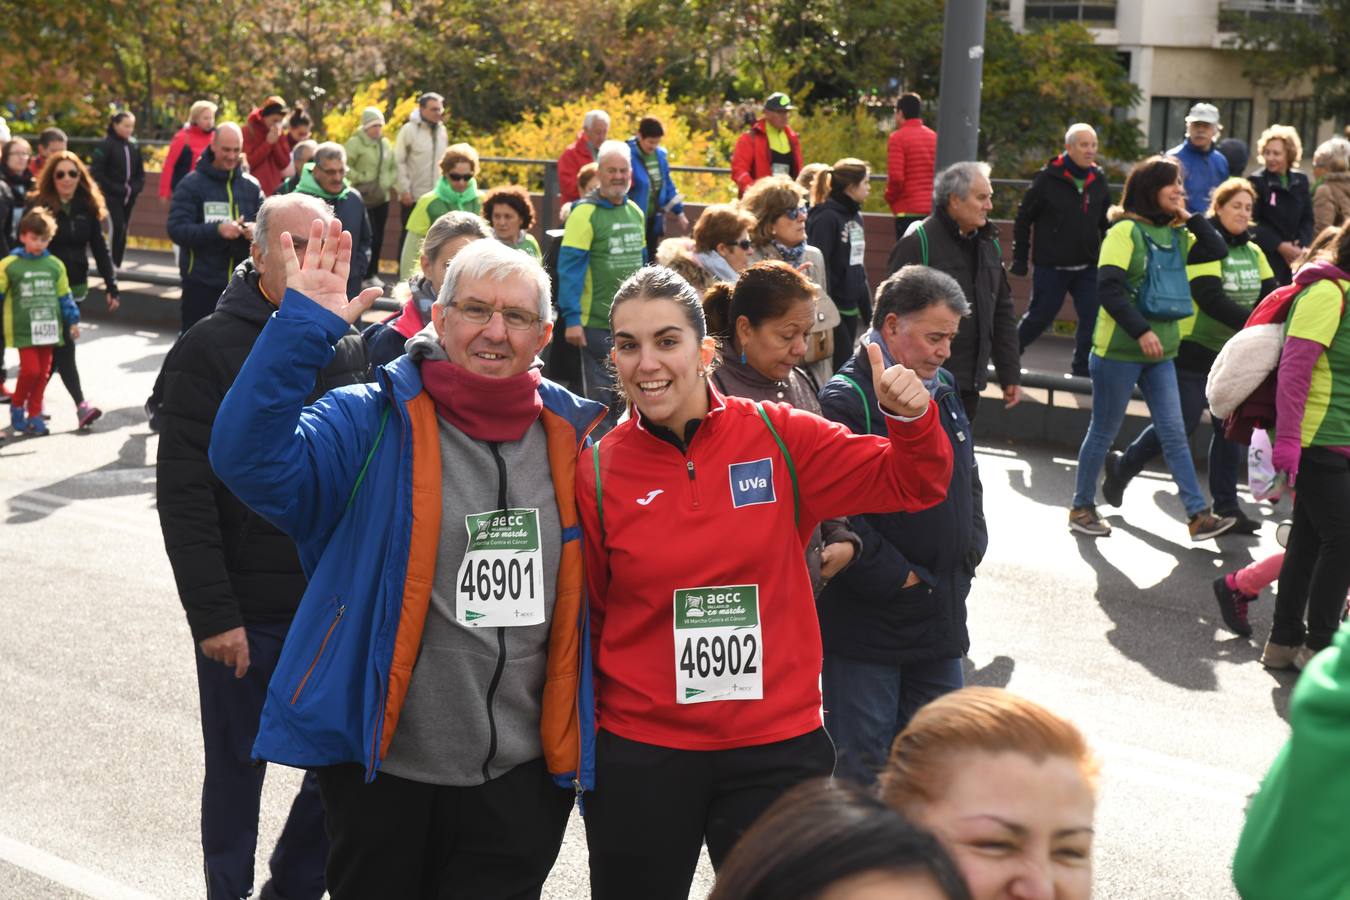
(751, 482)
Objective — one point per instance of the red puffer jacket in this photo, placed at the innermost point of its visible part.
(690, 542)
(911, 155)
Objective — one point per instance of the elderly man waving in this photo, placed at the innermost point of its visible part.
(435, 668)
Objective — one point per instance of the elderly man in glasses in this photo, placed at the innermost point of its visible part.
(325, 177)
(438, 671)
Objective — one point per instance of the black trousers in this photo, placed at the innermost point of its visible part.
(63, 364)
(845, 333)
(902, 224)
(198, 302)
(379, 216)
(1315, 574)
(653, 807)
(120, 215)
(399, 838)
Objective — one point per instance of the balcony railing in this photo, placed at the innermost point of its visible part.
(1266, 8)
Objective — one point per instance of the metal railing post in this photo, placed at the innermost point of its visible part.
(548, 204)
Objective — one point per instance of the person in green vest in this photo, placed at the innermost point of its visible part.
(510, 213)
(456, 189)
(1225, 291)
(604, 241)
(1135, 343)
(38, 311)
(373, 171)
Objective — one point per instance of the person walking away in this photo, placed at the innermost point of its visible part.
(958, 238)
(767, 147)
(893, 625)
(70, 194)
(594, 132)
(1284, 210)
(18, 181)
(374, 173)
(1202, 165)
(1331, 196)
(266, 145)
(510, 212)
(911, 157)
(326, 178)
(724, 707)
(653, 190)
(456, 773)
(39, 312)
(603, 243)
(239, 578)
(187, 146)
(118, 169)
(418, 149)
(1225, 292)
(1137, 335)
(835, 227)
(456, 189)
(1066, 206)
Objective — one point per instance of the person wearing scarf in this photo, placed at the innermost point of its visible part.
(435, 514)
(835, 226)
(456, 189)
(325, 177)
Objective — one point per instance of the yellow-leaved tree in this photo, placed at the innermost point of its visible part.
(342, 122)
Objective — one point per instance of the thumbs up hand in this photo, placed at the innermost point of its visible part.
(899, 391)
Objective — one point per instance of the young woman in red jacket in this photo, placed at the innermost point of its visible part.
(696, 511)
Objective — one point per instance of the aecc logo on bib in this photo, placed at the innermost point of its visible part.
(751, 482)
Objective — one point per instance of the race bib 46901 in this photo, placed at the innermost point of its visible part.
(719, 648)
(500, 583)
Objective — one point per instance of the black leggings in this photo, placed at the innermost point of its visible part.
(1315, 574)
(63, 364)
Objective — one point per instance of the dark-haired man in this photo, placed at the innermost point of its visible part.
(911, 155)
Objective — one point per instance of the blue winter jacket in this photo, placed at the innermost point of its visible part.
(642, 185)
(339, 477)
(1202, 170)
(865, 613)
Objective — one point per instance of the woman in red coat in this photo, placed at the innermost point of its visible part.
(266, 145)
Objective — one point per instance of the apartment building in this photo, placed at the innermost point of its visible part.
(1177, 54)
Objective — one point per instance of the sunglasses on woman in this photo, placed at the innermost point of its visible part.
(65, 173)
(743, 243)
(795, 214)
(457, 177)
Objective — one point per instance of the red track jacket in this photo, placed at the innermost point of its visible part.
(751, 160)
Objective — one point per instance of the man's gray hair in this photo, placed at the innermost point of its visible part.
(595, 115)
(329, 150)
(454, 224)
(915, 288)
(263, 226)
(613, 148)
(304, 150)
(1333, 155)
(495, 261)
(956, 181)
(1075, 129)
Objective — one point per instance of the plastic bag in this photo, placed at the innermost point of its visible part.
(1262, 478)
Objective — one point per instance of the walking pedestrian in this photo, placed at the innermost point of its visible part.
(418, 149)
(18, 181)
(594, 132)
(1331, 197)
(451, 718)
(239, 578)
(652, 189)
(120, 172)
(266, 144)
(959, 239)
(834, 226)
(68, 191)
(1202, 165)
(696, 510)
(326, 178)
(1066, 206)
(187, 146)
(768, 147)
(911, 157)
(456, 189)
(374, 172)
(893, 625)
(1144, 292)
(510, 212)
(1284, 210)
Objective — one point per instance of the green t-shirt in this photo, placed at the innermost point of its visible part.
(32, 288)
(652, 162)
(1318, 315)
(1241, 271)
(614, 237)
(528, 245)
(1121, 248)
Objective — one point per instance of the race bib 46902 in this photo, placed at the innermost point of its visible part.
(719, 648)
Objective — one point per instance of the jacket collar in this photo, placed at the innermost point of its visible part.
(947, 222)
(206, 165)
(717, 404)
(243, 298)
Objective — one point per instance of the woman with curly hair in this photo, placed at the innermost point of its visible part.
(510, 212)
(69, 192)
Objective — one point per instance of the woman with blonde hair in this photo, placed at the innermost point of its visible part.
(1331, 197)
(187, 146)
(1007, 787)
(835, 227)
(1283, 211)
(456, 189)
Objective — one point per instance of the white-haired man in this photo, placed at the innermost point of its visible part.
(1066, 208)
(441, 676)
(326, 178)
(594, 132)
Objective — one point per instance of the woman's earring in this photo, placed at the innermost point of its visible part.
(742, 357)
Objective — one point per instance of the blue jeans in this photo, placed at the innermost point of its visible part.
(1048, 287)
(1225, 457)
(868, 704)
(597, 377)
(1112, 382)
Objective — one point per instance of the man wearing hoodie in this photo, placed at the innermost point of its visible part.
(326, 178)
(1203, 167)
(239, 578)
(211, 220)
(418, 149)
(440, 675)
(373, 172)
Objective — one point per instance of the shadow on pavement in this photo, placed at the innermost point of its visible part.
(130, 474)
(151, 362)
(997, 673)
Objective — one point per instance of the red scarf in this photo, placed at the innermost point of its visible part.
(486, 409)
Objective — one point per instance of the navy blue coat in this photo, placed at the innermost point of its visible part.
(865, 614)
(202, 200)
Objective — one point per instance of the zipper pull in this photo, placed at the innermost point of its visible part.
(689, 465)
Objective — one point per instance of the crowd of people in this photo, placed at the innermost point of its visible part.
(615, 589)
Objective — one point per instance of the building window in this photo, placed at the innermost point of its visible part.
(1302, 114)
(1167, 120)
(1096, 13)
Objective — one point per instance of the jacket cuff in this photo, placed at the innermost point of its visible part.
(895, 418)
(298, 307)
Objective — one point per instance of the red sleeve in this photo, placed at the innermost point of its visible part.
(252, 138)
(895, 171)
(171, 160)
(568, 168)
(595, 554)
(742, 158)
(840, 473)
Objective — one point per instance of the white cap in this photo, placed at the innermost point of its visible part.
(1203, 112)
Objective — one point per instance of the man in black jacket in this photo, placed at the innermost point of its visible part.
(894, 622)
(238, 577)
(1066, 205)
(959, 239)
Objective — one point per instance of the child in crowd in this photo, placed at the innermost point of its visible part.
(37, 308)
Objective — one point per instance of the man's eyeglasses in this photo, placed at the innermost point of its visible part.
(333, 173)
(795, 214)
(453, 176)
(481, 313)
(63, 174)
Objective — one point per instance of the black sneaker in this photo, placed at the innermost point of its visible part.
(1113, 486)
(1232, 606)
(1245, 525)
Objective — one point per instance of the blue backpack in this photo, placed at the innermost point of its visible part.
(1165, 293)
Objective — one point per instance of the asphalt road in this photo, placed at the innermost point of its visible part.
(102, 748)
